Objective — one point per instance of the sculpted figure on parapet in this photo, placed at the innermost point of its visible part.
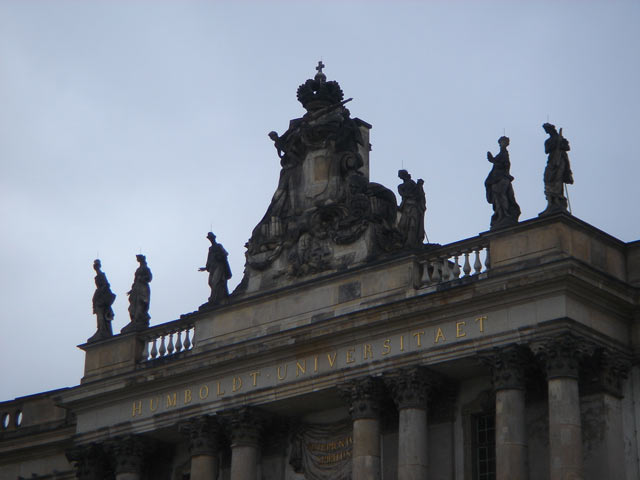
(103, 298)
(499, 189)
(139, 297)
(558, 170)
(219, 271)
(412, 209)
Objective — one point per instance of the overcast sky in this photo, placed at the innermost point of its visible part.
(130, 126)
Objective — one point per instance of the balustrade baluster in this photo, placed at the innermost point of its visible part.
(456, 267)
(187, 342)
(145, 352)
(170, 346)
(179, 342)
(154, 349)
(436, 272)
(487, 261)
(446, 274)
(163, 349)
(477, 265)
(467, 266)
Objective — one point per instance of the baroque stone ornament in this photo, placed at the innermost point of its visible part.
(364, 396)
(202, 434)
(128, 453)
(102, 300)
(246, 425)
(557, 172)
(412, 209)
(605, 372)
(139, 297)
(499, 188)
(325, 214)
(90, 462)
(219, 271)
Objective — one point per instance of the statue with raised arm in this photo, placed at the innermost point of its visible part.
(103, 298)
(411, 209)
(219, 271)
(558, 171)
(499, 188)
(139, 297)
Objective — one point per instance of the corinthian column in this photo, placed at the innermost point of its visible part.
(90, 461)
(561, 357)
(410, 388)
(246, 432)
(202, 434)
(364, 397)
(128, 454)
(507, 365)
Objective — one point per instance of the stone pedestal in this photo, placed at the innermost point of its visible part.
(561, 357)
(246, 431)
(364, 396)
(511, 434)
(410, 388)
(202, 434)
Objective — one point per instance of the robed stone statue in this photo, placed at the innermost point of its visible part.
(499, 189)
(219, 271)
(139, 297)
(558, 171)
(411, 209)
(103, 298)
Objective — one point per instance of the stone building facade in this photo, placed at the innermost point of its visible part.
(349, 351)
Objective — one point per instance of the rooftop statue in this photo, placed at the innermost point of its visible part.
(558, 171)
(139, 297)
(219, 271)
(325, 214)
(412, 209)
(499, 189)
(103, 298)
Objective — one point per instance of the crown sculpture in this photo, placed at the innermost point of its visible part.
(325, 214)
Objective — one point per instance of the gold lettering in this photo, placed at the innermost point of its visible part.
(439, 335)
(480, 321)
(332, 360)
(386, 347)
(418, 336)
(220, 392)
(151, 406)
(137, 408)
(315, 363)
(350, 352)
(204, 392)
(187, 396)
(280, 377)
(255, 376)
(402, 343)
(301, 367)
(459, 331)
(236, 384)
(366, 351)
(172, 400)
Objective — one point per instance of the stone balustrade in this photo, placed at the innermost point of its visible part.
(167, 340)
(464, 259)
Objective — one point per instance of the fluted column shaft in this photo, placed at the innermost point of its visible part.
(511, 433)
(364, 396)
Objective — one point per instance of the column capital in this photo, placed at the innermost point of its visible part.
(605, 371)
(562, 354)
(411, 386)
(202, 434)
(90, 461)
(363, 395)
(128, 453)
(508, 365)
(246, 425)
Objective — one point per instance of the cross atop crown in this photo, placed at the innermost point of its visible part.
(320, 76)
